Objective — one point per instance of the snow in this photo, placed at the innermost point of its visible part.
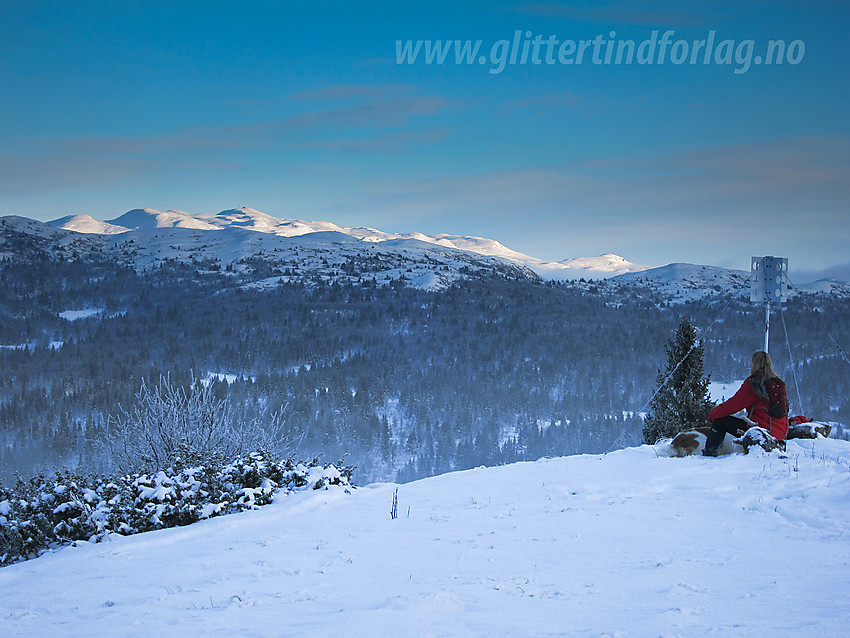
(85, 313)
(225, 377)
(623, 544)
(720, 392)
(87, 224)
(427, 281)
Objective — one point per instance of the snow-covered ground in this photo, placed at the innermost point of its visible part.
(624, 544)
(73, 315)
(720, 392)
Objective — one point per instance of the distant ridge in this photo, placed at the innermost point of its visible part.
(687, 282)
(242, 233)
(145, 219)
(260, 250)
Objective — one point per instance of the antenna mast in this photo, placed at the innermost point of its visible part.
(768, 284)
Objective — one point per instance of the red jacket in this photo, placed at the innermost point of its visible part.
(746, 399)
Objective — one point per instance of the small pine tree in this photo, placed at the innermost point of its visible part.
(681, 402)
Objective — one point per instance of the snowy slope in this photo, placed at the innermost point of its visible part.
(20, 236)
(626, 544)
(826, 287)
(87, 224)
(686, 282)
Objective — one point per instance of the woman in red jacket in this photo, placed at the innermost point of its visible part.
(752, 397)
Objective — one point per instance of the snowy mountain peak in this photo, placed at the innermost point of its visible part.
(614, 259)
(151, 219)
(609, 265)
(87, 224)
(249, 218)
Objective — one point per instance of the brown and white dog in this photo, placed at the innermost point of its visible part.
(693, 442)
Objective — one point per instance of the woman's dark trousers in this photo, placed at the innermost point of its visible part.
(719, 428)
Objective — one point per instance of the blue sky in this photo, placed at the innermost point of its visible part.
(302, 111)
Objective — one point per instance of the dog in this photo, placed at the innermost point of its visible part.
(692, 442)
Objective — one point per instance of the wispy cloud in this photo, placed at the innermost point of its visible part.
(708, 198)
(545, 102)
(366, 112)
(396, 142)
(189, 140)
(806, 275)
(383, 113)
(692, 180)
(777, 177)
(347, 118)
(338, 92)
(26, 174)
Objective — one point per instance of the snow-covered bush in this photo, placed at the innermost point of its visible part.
(45, 513)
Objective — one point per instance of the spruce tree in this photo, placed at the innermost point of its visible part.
(681, 402)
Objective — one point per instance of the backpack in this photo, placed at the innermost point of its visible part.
(777, 400)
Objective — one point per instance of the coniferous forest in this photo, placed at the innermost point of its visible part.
(403, 383)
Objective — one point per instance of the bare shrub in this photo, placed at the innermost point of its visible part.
(168, 421)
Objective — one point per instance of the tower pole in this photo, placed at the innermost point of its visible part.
(766, 326)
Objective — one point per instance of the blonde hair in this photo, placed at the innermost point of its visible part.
(761, 365)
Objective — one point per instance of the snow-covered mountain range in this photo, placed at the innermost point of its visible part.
(242, 239)
(146, 219)
(245, 241)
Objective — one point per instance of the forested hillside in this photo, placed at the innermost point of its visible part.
(407, 383)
